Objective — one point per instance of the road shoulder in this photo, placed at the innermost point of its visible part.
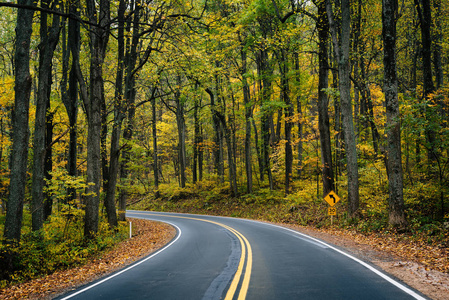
(431, 283)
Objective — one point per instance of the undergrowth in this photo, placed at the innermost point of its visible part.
(305, 206)
(59, 245)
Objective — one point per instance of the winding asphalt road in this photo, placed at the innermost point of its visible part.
(228, 258)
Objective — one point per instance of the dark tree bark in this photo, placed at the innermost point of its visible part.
(131, 55)
(70, 96)
(103, 144)
(359, 104)
(342, 55)
(155, 148)
(196, 139)
(48, 164)
(265, 73)
(119, 115)
(218, 137)
(200, 155)
(393, 125)
(437, 48)
(20, 131)
(221, 114)
(49, 38)
(339, 137)
(323, 101)
(299, 113)
(99, 36)
(285, 91)
(180, 121)
(248, 116)
(257, 146)
(425, 17)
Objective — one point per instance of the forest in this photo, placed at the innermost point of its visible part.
(247, 108)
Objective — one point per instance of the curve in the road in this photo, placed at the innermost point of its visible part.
(214, 260)
(242, 268)
(130, 267)
(244, 265)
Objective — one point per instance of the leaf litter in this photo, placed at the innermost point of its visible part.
(148, 236)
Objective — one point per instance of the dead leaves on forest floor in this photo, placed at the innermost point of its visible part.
(149, 236)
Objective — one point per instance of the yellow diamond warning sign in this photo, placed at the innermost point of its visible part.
(332, 198)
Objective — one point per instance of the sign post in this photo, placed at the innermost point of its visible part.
(332, 199)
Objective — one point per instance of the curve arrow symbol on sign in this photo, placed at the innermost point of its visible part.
(332, 198)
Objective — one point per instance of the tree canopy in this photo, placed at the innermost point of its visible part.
(102, 102)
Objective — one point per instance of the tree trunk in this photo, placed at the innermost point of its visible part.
(119, 115)
(20, 131)
(181, 137)
(218, 137)
(130, 94)
(285, 91)
(256, 142)
(155, 148)
(323, 101)
(196, 139)
(393, 125)
(200, 155)
(339, 137)
(346, 104)
(48, 164)
(99, 36)
(48, 41)
(104, 143)
(70, 96)
(229, 144)
(248, 116)
(266, 73)
(299, 116)
(425, 17)
(437, 48)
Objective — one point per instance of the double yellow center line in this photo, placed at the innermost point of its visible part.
(245, 264)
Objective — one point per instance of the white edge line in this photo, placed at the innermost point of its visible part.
(130, 267)
(371, 268)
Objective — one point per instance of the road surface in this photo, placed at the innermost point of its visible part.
(228, 258)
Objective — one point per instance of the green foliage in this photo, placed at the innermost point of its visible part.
(59, 245)
(60, 182)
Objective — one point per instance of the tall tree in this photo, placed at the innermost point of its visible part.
(248, 114)
(437, 45)
(342, 54)
(425, 20)
(265, 72)
(20, 133)
(99, 36)
(69, 96)
(49, 38)
(393, 125)
(155, 147)
(323, 100)
(299, 116)
(119, 115)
